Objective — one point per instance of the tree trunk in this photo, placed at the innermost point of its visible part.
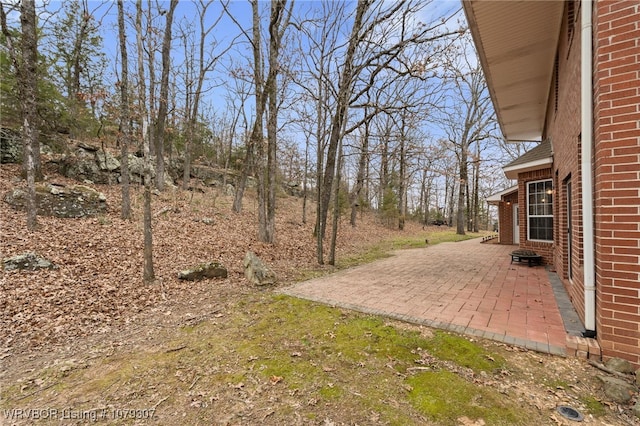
(402, 178)
(275, 35)
(151, 108)
(244, 175)
(340, 116)
(255, 140)
(124, 116)
(336, 208)
(476, 189)
(164, 97)
(460, 222)
(148, 275)
(27, 80)
(186, 171)
(452, 204)
(355, 197)
(304, 182)
(384, 170)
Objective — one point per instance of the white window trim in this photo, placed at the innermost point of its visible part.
(529, 216)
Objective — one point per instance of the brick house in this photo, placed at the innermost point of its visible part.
(567, 74)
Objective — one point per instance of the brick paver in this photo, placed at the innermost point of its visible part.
(467, 287)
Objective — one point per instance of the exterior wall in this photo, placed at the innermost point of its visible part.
(505, 218)
(540, 247)
(617, 176)
(563, 128)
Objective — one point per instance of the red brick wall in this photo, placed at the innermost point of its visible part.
(564, 130)
(617, 176)
(540, 247)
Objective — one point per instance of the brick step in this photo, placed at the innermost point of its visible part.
(583, 347)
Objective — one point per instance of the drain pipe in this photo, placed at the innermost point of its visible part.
(586, 75)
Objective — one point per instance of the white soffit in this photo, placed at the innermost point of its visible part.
(497, 198)
(516, 42)
(513, 171)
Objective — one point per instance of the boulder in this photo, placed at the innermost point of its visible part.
(83, 164)
(256, 271)
(136, 169)
(620, 365)
(206, 173)
(618, 390)
(293, 188)
(61, 201)
(636, 410)
(28, 261)
(204, 270)
(106, 161)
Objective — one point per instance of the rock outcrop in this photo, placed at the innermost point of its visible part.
(61, 201)
(202, 271)
(28, 261)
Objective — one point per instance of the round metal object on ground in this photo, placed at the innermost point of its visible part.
(570, 413)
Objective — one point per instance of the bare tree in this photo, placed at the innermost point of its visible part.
(164, 96)
(195, 85)
(380, 35)
(318, 51)
(125, 133)
(148, 271)
(26, 70)
(355, 195)
(280, 15)
(472, 120)
(266, 92)
(338, 120)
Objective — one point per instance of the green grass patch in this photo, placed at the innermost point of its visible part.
(291, 356)
(444, 397)
(451, 347)
(594, 406)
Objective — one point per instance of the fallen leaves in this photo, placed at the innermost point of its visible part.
(98, 285)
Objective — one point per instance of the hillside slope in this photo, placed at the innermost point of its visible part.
(98, 281)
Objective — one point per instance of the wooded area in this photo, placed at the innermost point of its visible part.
(355, 105)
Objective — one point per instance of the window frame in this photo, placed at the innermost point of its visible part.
(548, 186)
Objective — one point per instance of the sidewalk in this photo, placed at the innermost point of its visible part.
(466, 287)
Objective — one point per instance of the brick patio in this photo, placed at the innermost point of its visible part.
(468, 287)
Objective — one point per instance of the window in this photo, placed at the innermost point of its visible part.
(540, 210)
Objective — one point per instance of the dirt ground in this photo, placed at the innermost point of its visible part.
(94, 307)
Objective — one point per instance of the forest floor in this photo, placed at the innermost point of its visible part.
(89, 342)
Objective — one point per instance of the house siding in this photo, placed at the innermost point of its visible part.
(617, 176)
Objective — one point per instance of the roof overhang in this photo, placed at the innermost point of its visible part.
(497, 198)
(511, 172)
(516, 42)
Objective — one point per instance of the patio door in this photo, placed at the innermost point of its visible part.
(516, 224)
